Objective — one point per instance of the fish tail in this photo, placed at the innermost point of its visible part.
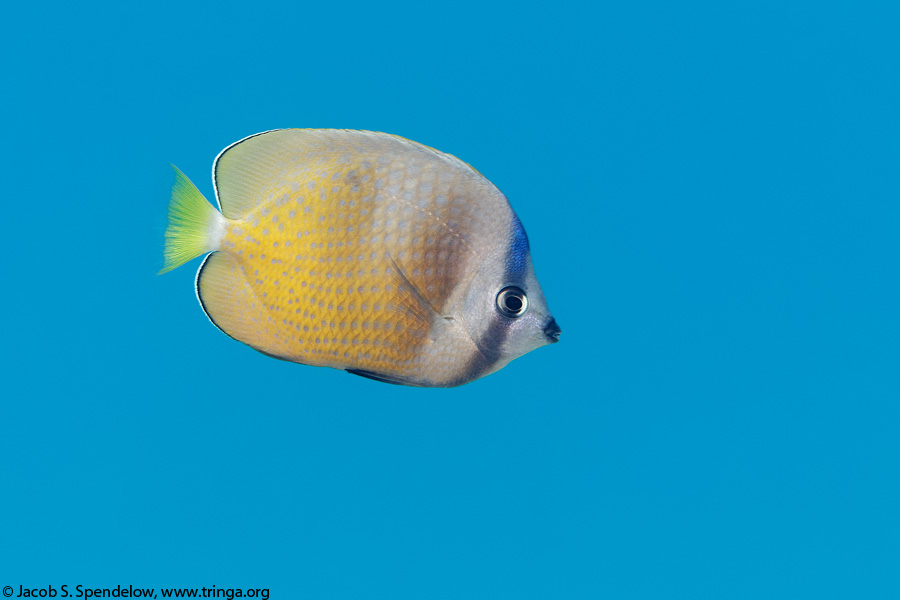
(195, 226)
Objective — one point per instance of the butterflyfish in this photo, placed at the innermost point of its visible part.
(361, 251)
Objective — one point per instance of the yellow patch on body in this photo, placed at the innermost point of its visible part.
(320, 257)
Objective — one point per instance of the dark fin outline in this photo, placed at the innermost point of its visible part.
(379, 377)
(200, 299)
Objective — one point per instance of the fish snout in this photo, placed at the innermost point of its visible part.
(552, 331)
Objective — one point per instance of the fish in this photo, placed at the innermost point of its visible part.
(364, 252)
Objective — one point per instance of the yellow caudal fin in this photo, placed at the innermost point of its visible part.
(195, 226)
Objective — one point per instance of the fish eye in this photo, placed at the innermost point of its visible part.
(512, 302)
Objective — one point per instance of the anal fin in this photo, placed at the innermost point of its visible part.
(231, 304)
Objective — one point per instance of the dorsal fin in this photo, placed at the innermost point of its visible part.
(245, 172)
(241, 171)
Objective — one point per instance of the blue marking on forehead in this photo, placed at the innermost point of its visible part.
(516, 257)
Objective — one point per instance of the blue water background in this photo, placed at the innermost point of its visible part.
(712, 196)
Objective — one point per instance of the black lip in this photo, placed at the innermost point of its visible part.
(552, 331)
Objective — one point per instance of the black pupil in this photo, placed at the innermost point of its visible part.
(513, 303)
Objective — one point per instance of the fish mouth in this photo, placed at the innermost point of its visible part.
(552, 331)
